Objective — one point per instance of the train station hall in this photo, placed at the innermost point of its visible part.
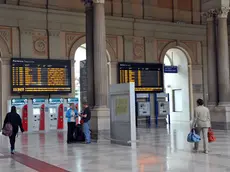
(114, 85)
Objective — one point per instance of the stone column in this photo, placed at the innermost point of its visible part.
(223, 57)
(100, 113)
(89, 52)
(1, 104)
(212, 66)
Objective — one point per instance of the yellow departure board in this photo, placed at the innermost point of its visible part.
(147, 77)
(40, 76)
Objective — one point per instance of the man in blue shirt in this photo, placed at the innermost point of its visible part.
(71, 115)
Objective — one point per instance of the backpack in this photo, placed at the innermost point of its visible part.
(7, 130)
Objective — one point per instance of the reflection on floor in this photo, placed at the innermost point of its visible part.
(158, 150)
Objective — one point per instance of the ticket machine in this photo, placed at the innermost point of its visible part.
(56, 114)
(22, 109)
(38, 114)
(143, 108)
(162, 110)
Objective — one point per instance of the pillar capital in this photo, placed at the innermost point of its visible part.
(98, 1)
(210, 14)
(223, 12)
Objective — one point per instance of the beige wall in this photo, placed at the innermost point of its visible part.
(163, 10)
(23, 34)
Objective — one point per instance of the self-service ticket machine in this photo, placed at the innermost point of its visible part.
(22, 109)
(56, 114)
(143, 108)
(39, 115)
(162, 107)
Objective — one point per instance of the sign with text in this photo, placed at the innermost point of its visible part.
(170, 69)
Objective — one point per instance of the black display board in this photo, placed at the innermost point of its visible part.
(40, 76)
(83, 81)
(148, 77)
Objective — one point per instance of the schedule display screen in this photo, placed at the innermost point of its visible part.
(40, 76)
(147, 77)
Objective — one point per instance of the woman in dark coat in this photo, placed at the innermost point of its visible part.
(15, 120)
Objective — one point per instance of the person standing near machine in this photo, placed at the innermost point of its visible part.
(71, 115)
(15, 120)
(86, 116)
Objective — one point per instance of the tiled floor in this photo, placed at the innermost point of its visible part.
(158, 150)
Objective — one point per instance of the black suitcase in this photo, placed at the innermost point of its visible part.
(78, 134)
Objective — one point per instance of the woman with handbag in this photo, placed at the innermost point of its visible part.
(201, 123)
(15, 120)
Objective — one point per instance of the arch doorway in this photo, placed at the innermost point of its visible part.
(80, 64)
(177, 85)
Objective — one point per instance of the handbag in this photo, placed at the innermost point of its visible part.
(7, 130)
(193, 137)
(211, 137)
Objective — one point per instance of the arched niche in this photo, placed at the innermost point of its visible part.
(4, 55)
(183, 47)
(110, 54)
(189, 55)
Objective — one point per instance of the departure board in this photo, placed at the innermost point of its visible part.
(40, 76)
(147, 77)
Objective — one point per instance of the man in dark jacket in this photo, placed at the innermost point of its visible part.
(15, 120)
(86, 116)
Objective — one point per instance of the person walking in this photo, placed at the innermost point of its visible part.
(86, 116)
(71, 115)
(15, 120)
(201, 123)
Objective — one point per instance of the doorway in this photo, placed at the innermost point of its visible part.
(177, 85)
(80, 64)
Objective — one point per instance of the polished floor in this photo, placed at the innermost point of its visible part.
(158, 150)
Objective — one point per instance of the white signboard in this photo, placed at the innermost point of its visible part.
(122, 111)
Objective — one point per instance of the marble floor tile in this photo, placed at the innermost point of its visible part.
(158, 150)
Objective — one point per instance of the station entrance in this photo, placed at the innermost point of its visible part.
(177, 85)
(79, 68)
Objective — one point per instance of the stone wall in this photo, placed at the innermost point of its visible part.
(37, 33)
(187, 11)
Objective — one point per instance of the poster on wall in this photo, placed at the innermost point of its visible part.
(122, 105)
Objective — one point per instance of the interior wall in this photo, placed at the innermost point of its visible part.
(178, 81)
(187, 11)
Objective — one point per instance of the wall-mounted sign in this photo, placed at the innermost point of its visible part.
(38, 101)
(72, 100)
(197, 88)
(170, 69)
(19, 101)
(55, 100)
